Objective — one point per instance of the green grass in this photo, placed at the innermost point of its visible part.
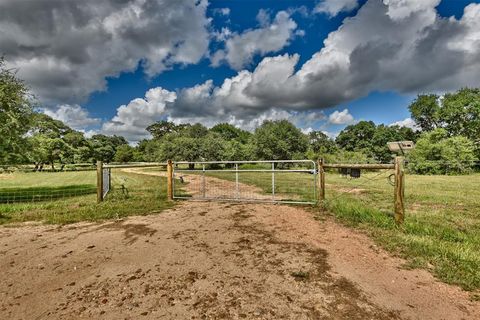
(45, 186)
(441, 232)
(46, 179)
(140, 195)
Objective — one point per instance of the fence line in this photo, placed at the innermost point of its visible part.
(399, 183)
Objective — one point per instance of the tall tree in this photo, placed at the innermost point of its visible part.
(460, 113)
(279, 140)
(104, 147)
(425, 110)
(321, 143)
(230, 132)
(15, 115)
(357, 136)
(161, 128)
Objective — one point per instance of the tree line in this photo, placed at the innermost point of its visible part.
(447, 140)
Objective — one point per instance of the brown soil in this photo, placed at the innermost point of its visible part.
(209, 260)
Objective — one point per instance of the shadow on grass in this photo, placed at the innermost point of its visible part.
(13, 195)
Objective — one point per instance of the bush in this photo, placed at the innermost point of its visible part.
(436, 153)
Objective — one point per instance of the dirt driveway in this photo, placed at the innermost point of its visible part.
(204, 260)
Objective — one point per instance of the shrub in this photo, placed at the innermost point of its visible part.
(436, 153)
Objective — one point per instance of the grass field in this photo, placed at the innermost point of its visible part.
(442, 227)
(42, 186)
(139, 195)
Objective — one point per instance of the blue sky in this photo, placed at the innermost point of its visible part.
(115, 72)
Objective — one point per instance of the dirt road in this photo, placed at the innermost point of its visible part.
(204, 260)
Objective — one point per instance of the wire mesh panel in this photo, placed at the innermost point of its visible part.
(20, 187)
(137, 180)
(289, 181)
(106, 181)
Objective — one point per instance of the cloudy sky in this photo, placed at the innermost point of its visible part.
(116, 66)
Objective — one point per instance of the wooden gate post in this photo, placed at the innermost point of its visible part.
(399, 190)
(170, 180)
(99, 181)
(321, 181)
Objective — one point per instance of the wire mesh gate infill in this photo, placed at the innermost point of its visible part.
(106, 172)
(286, 181)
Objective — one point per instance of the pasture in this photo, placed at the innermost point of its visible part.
(60, 200)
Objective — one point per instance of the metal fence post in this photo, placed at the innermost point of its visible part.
(399, 190)
(273, 181)
(170, 180)
(203, 182)
(237, 191)
(99, 181)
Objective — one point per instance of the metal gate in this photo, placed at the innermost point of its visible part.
(285, 181)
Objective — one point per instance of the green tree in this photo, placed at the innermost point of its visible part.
(15, 116)
(234, 150)
(196, 130)
(124, 153)
(460, 113)
(357, 136)
(384, 134)
(372, 140)
(230, 132)
(457, 112)
(104, 147)
(279, 140)
(47, 149)
(425, 110)
(320, 143)
(437, 153)
(212, 147)
(161, 128)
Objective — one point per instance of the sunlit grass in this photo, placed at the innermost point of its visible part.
(131, 194)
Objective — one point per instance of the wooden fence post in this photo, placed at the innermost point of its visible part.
(170, 179)
(399, 190)
(321, 181)
(99, 181)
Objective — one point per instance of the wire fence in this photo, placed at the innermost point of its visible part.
(20, 186)
(434, 194)
(136, 180)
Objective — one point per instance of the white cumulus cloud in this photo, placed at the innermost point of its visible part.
(341, 117)
(407, 122)
(132, 119)
(270, 37)
(74, 116)
(334, 7)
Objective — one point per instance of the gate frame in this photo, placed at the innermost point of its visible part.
(273, 170)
